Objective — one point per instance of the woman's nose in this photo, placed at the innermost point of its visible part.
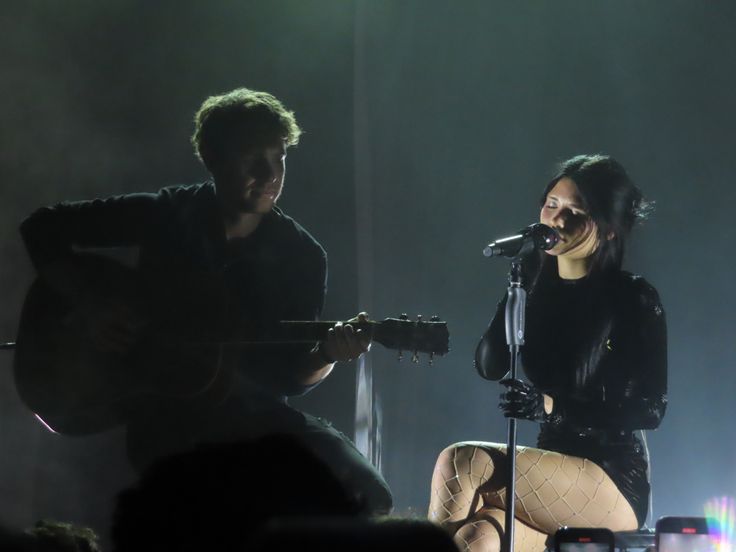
(560, 219)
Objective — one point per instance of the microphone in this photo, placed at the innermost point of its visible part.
(535, 236)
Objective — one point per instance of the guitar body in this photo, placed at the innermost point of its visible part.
(76, 389)
(180, 365)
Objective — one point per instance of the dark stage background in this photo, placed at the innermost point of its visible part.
(447, 118)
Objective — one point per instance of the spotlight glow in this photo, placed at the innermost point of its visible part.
(721, 515)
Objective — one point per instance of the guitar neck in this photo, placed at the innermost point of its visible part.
(298, 331)
(398, 334)
(282, 333)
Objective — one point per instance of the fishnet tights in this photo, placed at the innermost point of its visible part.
(552, 490)
(485, 529)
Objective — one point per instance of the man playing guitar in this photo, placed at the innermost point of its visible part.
(262, 266)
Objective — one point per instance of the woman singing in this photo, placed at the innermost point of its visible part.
(596, 359)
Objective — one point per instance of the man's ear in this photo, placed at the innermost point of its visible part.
(209, 160)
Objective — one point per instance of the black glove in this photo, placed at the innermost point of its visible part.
(521, 401)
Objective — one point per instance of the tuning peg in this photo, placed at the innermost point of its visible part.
(404, 316)
(435, 318)
(419, 317)
(401, 356)
(415, 357)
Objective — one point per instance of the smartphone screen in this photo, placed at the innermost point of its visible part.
(684, 534)
(584, 547)
(683, 542)
(577, 539)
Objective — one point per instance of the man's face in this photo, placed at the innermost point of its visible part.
(251, 178)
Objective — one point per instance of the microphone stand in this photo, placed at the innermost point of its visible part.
(515, 318)
(536, 236)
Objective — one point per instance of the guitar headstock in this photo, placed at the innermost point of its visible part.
(417, 336)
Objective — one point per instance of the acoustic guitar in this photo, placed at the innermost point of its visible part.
(75, 389)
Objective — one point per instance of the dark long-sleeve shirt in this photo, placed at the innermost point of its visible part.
(597, 347)
(277, 273)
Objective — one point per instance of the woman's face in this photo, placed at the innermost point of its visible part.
(563, 210)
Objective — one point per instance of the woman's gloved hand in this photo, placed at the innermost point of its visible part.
(521, 401)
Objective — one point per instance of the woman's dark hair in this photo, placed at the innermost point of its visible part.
(610, 198)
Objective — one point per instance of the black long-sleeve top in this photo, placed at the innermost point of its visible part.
(597, 346)
(277, 273)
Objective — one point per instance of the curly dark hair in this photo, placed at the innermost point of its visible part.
(223, 494)
(227, 120)
(50, 535)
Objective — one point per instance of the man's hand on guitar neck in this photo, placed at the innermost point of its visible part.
(344, 343)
